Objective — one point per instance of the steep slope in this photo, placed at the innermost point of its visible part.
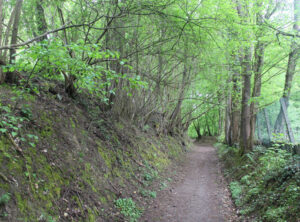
(65, 160)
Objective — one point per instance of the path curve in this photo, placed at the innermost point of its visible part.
(200, 196)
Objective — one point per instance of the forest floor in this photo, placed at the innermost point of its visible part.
(199, 193)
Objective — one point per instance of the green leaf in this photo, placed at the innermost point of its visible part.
(3, 130)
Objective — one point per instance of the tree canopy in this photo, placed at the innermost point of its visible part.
(202, 66)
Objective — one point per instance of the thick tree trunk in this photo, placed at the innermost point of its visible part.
(15, 30)
(245, 126)
(12, 77)
(245, 137)
(235, 110)
(41, 19)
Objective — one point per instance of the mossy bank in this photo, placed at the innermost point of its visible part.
(61, 160)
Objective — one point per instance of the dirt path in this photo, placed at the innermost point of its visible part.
(199, 195)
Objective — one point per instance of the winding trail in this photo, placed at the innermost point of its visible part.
(199, 195)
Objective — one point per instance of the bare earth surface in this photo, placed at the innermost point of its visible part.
(198, 194)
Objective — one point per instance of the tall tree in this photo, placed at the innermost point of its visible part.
(41, 19)
(246, 59)
(291, 67)
(12, 77)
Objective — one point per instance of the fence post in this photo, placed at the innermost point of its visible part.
(287, 121)
(258, 129)
(268, 124)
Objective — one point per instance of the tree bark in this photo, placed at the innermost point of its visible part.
(15, 30)
(41, 20)
(12, 77)
(227, 124)
(245, 127)
(245, 137)
(235, 109)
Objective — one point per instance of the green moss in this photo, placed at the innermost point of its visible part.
(103, 200)
(21, 203)
(89, 177)
(47, 130)
(107, 156)
(41, 182)
(73, 125)
(45, 183)
(119, 125)
(92, 215)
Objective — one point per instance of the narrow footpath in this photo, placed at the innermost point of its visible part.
(199, 195)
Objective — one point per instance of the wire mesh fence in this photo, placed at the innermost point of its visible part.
(274, 125)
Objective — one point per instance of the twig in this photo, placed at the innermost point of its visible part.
(62, 28)
(18, 149)
(4, 177)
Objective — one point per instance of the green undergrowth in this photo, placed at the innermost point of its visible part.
(73, 168)
(265, 183)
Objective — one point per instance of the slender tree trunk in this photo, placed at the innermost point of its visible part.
(175, 116)
(2, 75)
(7, 33)
(258, 66)
(291, 69)
(228, 120)
(70, 79)
(1, 19)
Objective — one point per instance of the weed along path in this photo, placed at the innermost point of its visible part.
(199, 194)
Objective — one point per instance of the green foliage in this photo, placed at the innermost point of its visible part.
(150, 174)
(13, 119)
(10, 122)
(53, 60)
(5, 198)
(148, 193)
(129, 209)
(236, 192)
(267, 182)
(163, 185)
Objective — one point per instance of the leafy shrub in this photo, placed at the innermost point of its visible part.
(12, 122)
(4, 199)
(267, 182)
(150, 174)
(236, 192)
(129, 209)
(148, 193)
(53, 60)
